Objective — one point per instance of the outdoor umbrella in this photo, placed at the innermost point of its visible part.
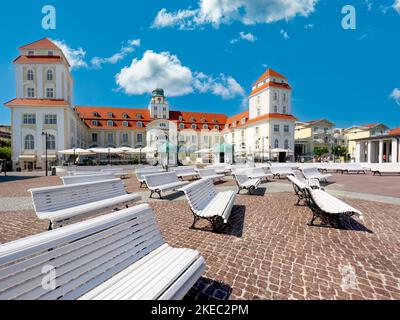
(75, 152)
(108, 151)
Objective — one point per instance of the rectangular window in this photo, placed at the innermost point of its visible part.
(110, 138)
(31, 53)
(316, 129)
(50, 119)
(49, 93)
(286, 128)
(31, 92)
(276, 128)
(29, 119)
(139, 137)
(194, 139)
(50, 53)
(124, 138)
(94, 137)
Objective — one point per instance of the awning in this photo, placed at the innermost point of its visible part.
(30, 157)
(223, 147)
(49, 157)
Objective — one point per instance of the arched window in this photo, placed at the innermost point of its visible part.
(49, 75)
(140, 124)
(286, 144)
(95, 123)
(110, 123)
(205, 126)
(30, 75)
(51, 142)
(217, 127)
(194, 126)
(181, 126)
(29, 142)
(125, 116)
(276, 144)
(125, 124)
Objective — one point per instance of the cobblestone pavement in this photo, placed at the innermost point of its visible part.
(267, 250)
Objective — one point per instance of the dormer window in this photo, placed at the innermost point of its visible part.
(96, 114)
(180, 118)
(205, 126)
(192, 119)
(140, 124)
(234, 124)
(139, 116)
(227, 126)
(244, 121)
(181, 126)
(110, 123)
(217, 127)
(215, 121)
(203, 119)
(194, 126)
(95, 123)
(110, 115)
(125, 124)
(125, 116)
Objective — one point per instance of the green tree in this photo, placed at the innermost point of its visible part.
(339, 151)
(319, 151)
(5, 153)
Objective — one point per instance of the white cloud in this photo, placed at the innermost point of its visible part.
(244, 36)
(181, 18)
(368, 3)
(75, 57)
(164, 70)
(248, 12)
(126, 49)
(284, 34)
(396, 95)
(396, 6)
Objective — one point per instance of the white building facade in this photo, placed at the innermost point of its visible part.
(44, 107)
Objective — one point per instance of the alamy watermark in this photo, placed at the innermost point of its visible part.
(49, 282)
(49, 20)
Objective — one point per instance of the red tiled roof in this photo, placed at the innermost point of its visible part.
(86, 113)
(271, 84)
(44, 43)
(372, 125)
(238, 118)
(395, 131)
(38, 59)
(273, 116)
(37, 103)
(269, 73)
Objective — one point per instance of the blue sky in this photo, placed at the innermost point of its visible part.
(207, 56)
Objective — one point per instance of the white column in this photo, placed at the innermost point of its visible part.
(380, 151)
(395, 148)
(358, 152)
(369, 155)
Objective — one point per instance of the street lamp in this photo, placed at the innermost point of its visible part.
(46, 140)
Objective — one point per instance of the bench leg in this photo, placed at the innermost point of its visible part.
(195, 219)
(142, 184)
(50, 226)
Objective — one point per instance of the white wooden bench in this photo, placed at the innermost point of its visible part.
(206, 203)
(328, 208)
(186, 172)
(254, 173)
(210, 174)
(300, 185)
(118, 172)
(140, 174)
(245, 183)
(63, 204)
(219, 168)
(161, 182)
(84, 173)
(281, 171)
(119, 256)
(85, 179)
(385, 168)
(313, 173)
